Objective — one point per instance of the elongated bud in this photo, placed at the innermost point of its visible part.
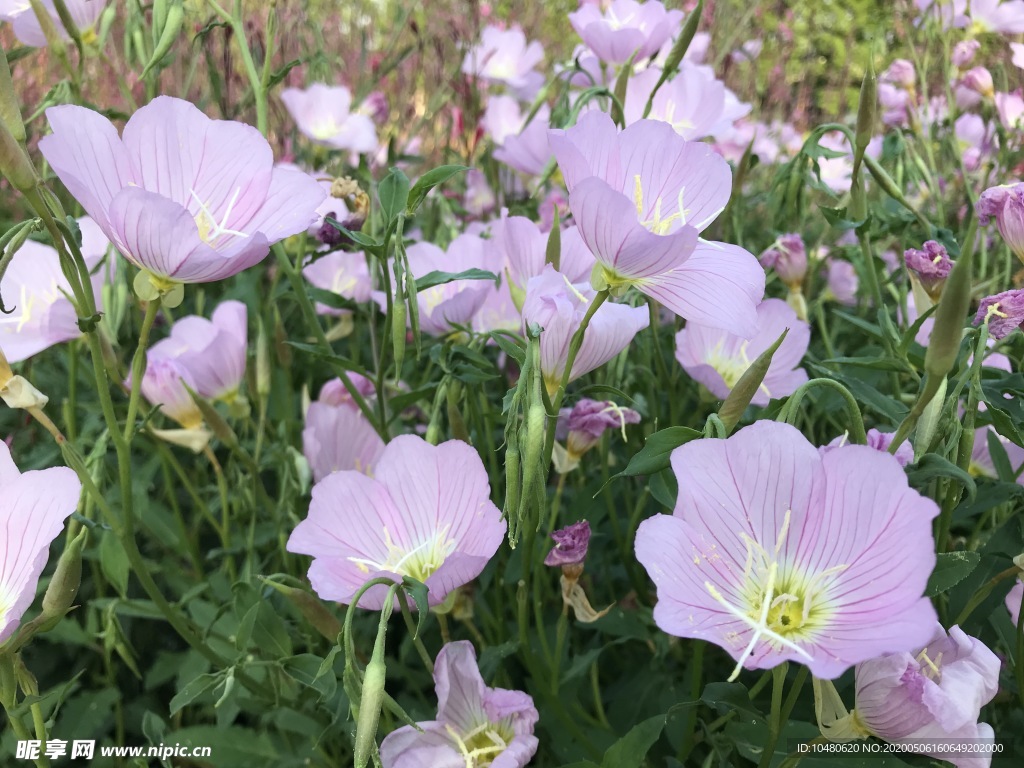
(372, 698)
(217, 424)
(513, 482)
(10, 108)
(741, 395)
(14, 163)
(866, 113)
(175, 17)
(621, 83)
(398, 335)
(311, 608)
(263, 374)
(928, 424)
(159, 18)
(553, 253)
(954, 304)
(60, 594)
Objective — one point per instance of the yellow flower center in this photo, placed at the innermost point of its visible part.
(210, 231)
(731, 368)
(654, 222)
(419, 562)
(483, 744)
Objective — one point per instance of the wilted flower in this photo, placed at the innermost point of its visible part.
(842, 282)
(934, 693)
(35, 293)
(775, 552)
(640, 199)
(323, 113)
(212, 352)
(788, 257)
(624, 28)
(582, 426)
(717, 359)
(337, 436)
(184, 197)
(503, 56)
(1006, 204)
(33, 508)
(25, 23)
(1013, 599)
(426, 513)
(880, 441)
(570, 545)
(930, 266)
(1004, 313)
(475, 725)
(558, 307)
(895, 103)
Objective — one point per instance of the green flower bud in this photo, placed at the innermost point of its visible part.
(14, 163)
(60, 594)
(10, 109)
(741, 395)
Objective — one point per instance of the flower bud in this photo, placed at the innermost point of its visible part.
(14, 163)
(963, 53)
(263, 372)
(901, 73)
(947, 333)
(10, 109)
(747, 385)
(788, 257)
(60, 594)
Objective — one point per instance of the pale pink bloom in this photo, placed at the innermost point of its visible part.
(164, 384)
(323, 113)
(749, 51)
(717, 359)
(895, 103)
(1013, 599)
(777, 553)
(641, 199)
(35, 292)
(900, 73)
(522, 248)
(949, 13)
(975, 138)
(558, 307)
(341, 273)
(1010, 107)
(187, 198)
(1003, 16)
(837, 172)
(475, 725)
(426, 513)
(842, 282)
(480, 197)
(523, 146)
(1005, 203)
(624, 28)
(337, 436)
(981, 464)
(788, 257)
(25, 23)
(33, 508)
(963, 52)
(212, 352)
(880, 441)
(979, 80)
(503, 56)
(931, 694)
(1018, 54)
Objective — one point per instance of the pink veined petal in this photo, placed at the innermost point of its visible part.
(339, 438)
(587, 149)
(607, 221)
(719, 285)
(459, 686)
(8, 469)
(410, 748)
(32, 514)
(611, 330)
(88, 157)
(94, 242)
(153, 232)
(357, 134)
(577, 261)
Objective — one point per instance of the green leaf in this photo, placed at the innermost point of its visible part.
(932, 465)
(305, 669)
(193, 690)
(114, 562)
(393, 193)
(418, 591)
(431, 279)
(654, 456)
(950, 569)
(510, 345)
(235, 747)
(357, 237)
(428, 181)
(631, 749)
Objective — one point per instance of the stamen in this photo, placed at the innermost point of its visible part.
(638, 195)
(572, 288)
(617, 410)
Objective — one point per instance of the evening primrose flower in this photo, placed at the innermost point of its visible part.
(717, 359)
(523, 250)
(842, 282)
(33, 508)
(777, 553)
(1004, 313)
(880, 441)
(337, 435)
(504, 57)
(25, 23)
(640, 199)
(930, 694)
(36, 293)
(1005, 203)
(342, 273)
(324, 115)
(625, 27)
(183, 197)
(476, 726)
(426, 513)
(558, 306)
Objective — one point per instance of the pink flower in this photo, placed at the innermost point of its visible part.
(930, 266)
(33, 509)
(1003, 16)
(1005, 204)
(717, 359)
(775, 552)
(558, 307)
(475, 725)
(625, 28)
(523, 147)
(523, 249)
(337, 436)
(1004, 313)
(931, 693)
(1013, 599)
(640, 199)
(963, 53)
(344, 274)
(35, 293)
(184, 197)
(571, 545)
(324, 115)
(900, 72)
(25, 23)
(583, 425)
(788, 257)
(880, 441)
(212, 352)
(982, 464)
(1018, 54)
(503, 56)
(842, 282)
(979, 80)
(974, 137)
(164, 384)
(425, 514)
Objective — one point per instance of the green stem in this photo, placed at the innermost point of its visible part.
(775, 722)
(139, 369)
